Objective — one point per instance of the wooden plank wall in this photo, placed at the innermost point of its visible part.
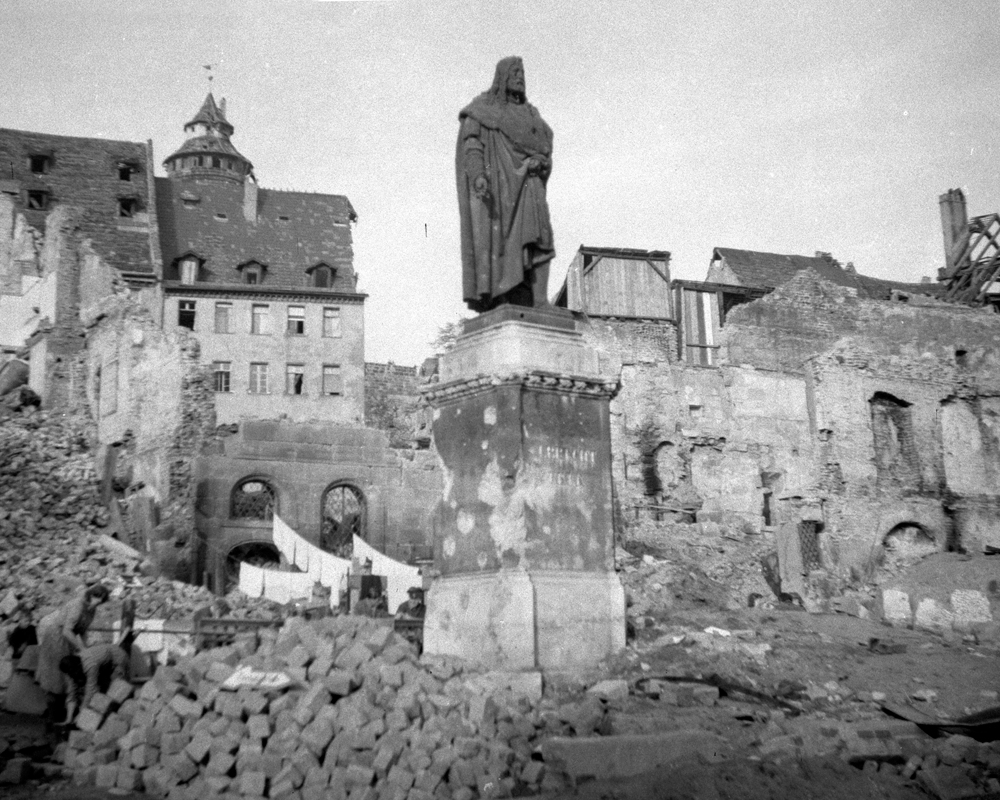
(627, 287)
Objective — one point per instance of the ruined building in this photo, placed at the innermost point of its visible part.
(167, 306)
(832, 418)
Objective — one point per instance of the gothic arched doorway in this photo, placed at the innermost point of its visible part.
(342, 516)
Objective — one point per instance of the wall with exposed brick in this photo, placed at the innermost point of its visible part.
(393, 404)
(808, 315)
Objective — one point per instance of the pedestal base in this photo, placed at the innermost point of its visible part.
(514, 620)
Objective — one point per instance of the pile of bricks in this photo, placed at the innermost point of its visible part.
(363, 717)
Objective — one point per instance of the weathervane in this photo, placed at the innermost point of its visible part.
(208, 69)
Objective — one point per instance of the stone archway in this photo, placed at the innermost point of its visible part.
(343, 515)
(258, 554)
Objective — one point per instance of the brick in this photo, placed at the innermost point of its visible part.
(358, 776)
(183, 707)
(80, 740)
(112, 730)
(181, 767)
(219, 671)
(218, 784)
(254, 702)
(144, 756)
(319, 668)
(220, 763)
(316, 736)
(259, 726)
(298, 656)
(101, 703)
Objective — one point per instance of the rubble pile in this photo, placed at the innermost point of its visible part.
(362, 717)
(53, 533)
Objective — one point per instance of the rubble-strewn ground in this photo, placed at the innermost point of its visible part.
(793, 700)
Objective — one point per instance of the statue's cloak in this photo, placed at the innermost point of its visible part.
(510, 232)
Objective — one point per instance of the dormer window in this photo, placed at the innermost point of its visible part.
(321, 275)
(187, 268)
(253, 272)
(39, 163)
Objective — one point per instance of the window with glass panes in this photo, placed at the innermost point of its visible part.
(221, 375)
(295, 377)
(258, 378)
(331, 321)
(296, 320)
(258, 318)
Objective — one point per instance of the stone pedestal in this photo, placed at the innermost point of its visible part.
(525, 543)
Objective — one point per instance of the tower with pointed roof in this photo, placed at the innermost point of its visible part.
(208, 153)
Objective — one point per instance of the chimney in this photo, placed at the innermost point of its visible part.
(955, 225)
(250, 199)
(222, 106)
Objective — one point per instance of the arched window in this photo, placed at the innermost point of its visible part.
(342, 515)
(321, 275)
(253, 498)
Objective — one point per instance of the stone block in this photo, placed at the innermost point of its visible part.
(218, 671)
(144, 756)
(129, 780)
(358, 777)
(106, 776)
(119, 691)
(353, 657)
(101, 703)
(613, 690)
(340, 682)
(259, 726)
(318, 669)
(197, 749)
(612, 757)
(932, 615)
(181, 767)
(896, 607)
(970, 607)
(949, 783)
(220, 763)
(316, 736)
(89, 720)
(253, 784)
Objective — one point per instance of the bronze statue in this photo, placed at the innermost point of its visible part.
(503, 161)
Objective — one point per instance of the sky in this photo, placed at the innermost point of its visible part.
(679, 125)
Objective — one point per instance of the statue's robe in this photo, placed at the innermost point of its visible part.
(509, 233)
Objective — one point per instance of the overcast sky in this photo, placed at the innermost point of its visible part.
(679, 125)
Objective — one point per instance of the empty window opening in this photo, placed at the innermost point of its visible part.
(809, 545)
(127, 206)
(765, 511)
(216, 162)
(296, 320)
(342, 518)
(223, 317)
(322, 277)
(333, 383)
(896, 458)
(39, 164)
(221, 373)
(185, 314)
(283, 218)
(252, 274)
(125, 171)
(253, 499)
(221, 216)
(962, 357)
(295, 379)
(258, 378)
(38, 199)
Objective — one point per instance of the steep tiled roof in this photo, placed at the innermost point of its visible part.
(210, 114)
(292, 232)
(770, 270)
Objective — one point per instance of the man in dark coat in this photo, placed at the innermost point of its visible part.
(503, 161)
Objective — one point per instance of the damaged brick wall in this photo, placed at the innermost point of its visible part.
(393, 404)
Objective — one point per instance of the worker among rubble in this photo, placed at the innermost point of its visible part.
(373, 604)
(63, 632)
(413, 607)
(96, 666)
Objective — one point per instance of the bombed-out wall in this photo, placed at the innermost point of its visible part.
(327, 482)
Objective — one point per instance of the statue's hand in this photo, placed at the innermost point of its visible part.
(481, 186)
(539, 165)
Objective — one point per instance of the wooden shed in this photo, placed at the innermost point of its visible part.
(618, 282)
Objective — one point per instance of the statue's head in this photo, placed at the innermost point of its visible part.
(508, 78)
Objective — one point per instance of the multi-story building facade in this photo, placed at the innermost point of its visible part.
(264, 279)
